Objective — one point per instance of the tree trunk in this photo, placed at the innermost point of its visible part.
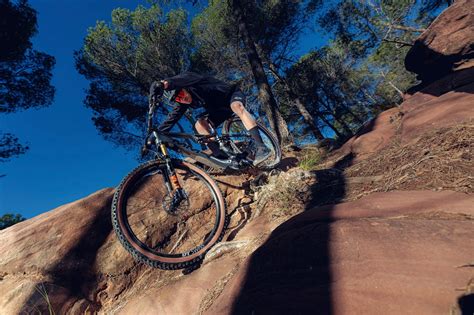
(277, 123)
(339, 119)
(338, 134)
(336, 99)
(351, 113)
(307, 117)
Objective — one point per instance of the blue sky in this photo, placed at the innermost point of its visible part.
(67, 159)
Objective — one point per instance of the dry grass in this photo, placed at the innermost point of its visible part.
(442, 159)
(283, 194)
(438, 160)
(309, 158)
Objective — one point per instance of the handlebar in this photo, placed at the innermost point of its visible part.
(152, 106)
(151, 111)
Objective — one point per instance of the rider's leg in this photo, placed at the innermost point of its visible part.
(248, 120)
(203, 128)
(261, 152)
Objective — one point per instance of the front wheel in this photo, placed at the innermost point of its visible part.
(161, 235)
(242, 142)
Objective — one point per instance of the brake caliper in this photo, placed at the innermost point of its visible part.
(175, 200)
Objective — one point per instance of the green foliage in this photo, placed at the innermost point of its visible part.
(25, 74)
(276, 25)
(430, 8)
(225, 44)
(387, 65)
(217, 45)
(358, 74)
(18, 25)
(333, 89)
(218, 42)
(25, 82)
(122, 58)
(380, 33)
(10, 146)
(10, 219)
(310, 159)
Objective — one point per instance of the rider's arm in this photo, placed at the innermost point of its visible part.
(182, 80)
(173, 117)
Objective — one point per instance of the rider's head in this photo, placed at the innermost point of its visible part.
(181, 96)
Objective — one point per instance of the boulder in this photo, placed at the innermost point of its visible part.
(419, 113)
(447, 45)
(387, 253)
(54, 254)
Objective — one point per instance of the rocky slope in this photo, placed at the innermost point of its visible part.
(448, 44)
(384, 226)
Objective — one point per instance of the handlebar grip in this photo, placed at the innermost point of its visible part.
(143, 151)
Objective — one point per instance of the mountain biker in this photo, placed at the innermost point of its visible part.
(218, 98)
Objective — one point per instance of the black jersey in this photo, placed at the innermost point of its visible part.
(206, 91)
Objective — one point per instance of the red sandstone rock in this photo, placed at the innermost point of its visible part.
(390, 253)
(373, 136)
(72, 255)
(446, 110)
(447, 45)
(421, 112)
(53, 252)
(386, 253)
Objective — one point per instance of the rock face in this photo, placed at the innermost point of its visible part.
(54, 253)
(443, 58)
(387, 253)
(397, 252)
(447, 45)
(69, 259)
(420, 113)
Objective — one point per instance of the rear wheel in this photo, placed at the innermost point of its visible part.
(161, 235)
(242, 142)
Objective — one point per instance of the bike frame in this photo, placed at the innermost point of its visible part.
(163, 141)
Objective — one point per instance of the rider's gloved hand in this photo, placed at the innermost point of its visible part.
(143, 151)
(156, 90)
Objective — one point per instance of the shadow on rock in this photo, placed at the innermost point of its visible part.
(466, 304)
(439, 73)
(290, 273)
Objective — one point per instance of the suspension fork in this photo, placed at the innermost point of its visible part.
(171, 176)
(176, 192)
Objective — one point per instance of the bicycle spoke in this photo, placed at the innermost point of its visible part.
(184, 234)
(178, 241)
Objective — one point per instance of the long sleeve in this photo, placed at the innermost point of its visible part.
(183, 80)
(173, 117)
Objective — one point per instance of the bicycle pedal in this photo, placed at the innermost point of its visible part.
(246, 163)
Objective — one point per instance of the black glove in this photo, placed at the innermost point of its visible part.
(143, 151)
(156, 90)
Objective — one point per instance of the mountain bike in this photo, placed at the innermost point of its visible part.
(168, 212)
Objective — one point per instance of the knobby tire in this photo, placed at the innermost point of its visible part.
(272, 141)
(130, 238)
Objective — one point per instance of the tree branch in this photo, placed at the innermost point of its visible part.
(396, 41)
(405, 28)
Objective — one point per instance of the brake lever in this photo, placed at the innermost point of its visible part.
(152, 105)
(143, 151)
